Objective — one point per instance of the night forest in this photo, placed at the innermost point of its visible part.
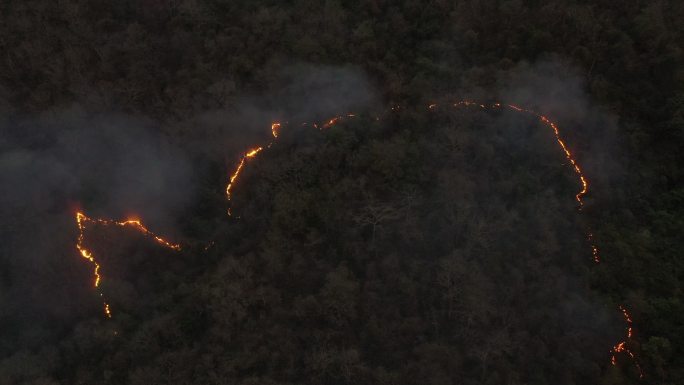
(328, 192)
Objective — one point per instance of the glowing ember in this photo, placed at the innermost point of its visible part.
(332, 122)
(584, 185)
(252, 153)
(249, 154)
(594, 249)
(274, 129)
(82, 219)
(563, 146)
(621, 346)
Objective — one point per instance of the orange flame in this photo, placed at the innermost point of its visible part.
(82, 219)
(594, 249)
(332, 122)
(275, 131)
(584, 185)
(275, 127)
(249, 154)
(564, 147)
(621, 346)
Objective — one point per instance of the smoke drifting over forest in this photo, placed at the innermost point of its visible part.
(117, 166)
(113, 165)
(559, 90)
(416, 219)
(298, 93)
(108, 165)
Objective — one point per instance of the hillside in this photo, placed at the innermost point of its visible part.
(409, 241)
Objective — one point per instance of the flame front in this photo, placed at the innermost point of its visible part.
(275, 127)
(561, 142)
(621, 347)
(334, 121)
(248, 155)
(82, 219)
(275, 132)
(584, 185)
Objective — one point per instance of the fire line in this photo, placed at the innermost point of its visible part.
(584, 184)
(82, 219)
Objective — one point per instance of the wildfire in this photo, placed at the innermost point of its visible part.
(82, 219)
(249, 154)
(468, 103)
(332, 122)
(561, 142)
(275, 127)
(621, 346)
(275, 131)
(594, 249)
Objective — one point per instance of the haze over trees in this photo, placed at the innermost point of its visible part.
(429, 246)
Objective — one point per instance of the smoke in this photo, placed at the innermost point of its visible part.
(116, 166)
(295, 94)
(50, 166)
(558, 90)
(308, 92)
(550, 84)
(112, 164)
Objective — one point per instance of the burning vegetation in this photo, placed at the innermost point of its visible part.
(82, 219)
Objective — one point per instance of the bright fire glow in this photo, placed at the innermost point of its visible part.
(621, 346)
(275, 131)
(584, 187)
(248, 155)
(332, 122)
(82, 219)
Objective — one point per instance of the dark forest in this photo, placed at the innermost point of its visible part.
(328, 192)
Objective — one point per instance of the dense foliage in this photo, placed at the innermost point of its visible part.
(427, 247)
